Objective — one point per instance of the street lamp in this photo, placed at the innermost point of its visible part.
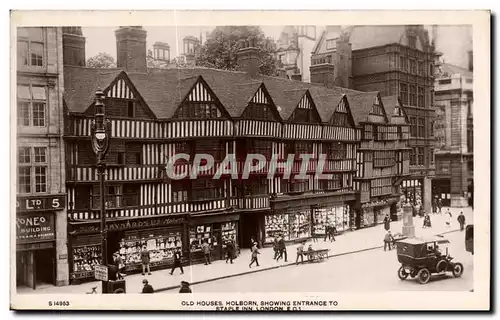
(100, 131)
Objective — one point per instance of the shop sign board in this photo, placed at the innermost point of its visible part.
(35, 227)
(53, 202)
(132, 224)
(101, 272)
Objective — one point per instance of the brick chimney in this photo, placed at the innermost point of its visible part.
(73, 47)
(343, 62)
(323, 71)
(471, 60)
(131, 48)
(249, 58)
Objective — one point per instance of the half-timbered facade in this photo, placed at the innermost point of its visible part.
(158, 115)
(382, 157)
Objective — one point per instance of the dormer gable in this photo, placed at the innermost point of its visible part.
(305, 111)
(261, 106)
(200, 102)
(342, 115)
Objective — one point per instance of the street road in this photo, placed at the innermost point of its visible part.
(373, 270)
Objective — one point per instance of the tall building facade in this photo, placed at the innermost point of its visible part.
(294, 48)
(454, 181)
(393, 60)
(41, 235)
(158, 114)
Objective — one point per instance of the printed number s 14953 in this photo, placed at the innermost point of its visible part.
(58, 303)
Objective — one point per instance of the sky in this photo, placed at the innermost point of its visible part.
(452, 41)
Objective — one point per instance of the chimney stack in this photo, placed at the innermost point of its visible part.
(131, 48)
(73, 47)
(249, 58)
(471, 60)
(343, 76)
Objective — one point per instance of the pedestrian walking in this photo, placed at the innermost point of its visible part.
(439, 204)
(185, 287)
(427, 222)
(434, 206)
(147, 287)
(230, 251)
(310, 251)
(118, 261)
(282, 248)
(145, 258)
(387, 223)
(276, 248)
(333, 230)
(447, 218)
(388, 240)
(300, 253)
(461, 220)
(206, 252)
(177, 261)
(255, 253)
(327, 232)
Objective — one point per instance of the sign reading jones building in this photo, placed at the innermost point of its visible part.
(35, 227)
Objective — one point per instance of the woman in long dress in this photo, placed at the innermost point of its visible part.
(448, 218)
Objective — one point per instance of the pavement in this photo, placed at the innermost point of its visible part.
(348, 243)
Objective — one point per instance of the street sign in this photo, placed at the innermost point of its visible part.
(101, 273)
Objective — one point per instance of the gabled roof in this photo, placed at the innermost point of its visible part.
(80, 85)
(326, 101)
(361, 104)
(390, 103)
(242, 94)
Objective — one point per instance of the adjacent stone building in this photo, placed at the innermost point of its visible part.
(454, 181)
(41, 250)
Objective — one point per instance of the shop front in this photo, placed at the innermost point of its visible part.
(214, 229)
(36, 245)
(160, 235)
(293, 224)
(337, 215)
(413, 190)
(373, 213)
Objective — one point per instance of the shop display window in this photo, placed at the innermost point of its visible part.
(228, 231)
(338, 216)
(161, 249)
(200, 234)
(277, 225)
(85, 258)
(291, 226)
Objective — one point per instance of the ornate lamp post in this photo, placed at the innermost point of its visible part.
(101, 133)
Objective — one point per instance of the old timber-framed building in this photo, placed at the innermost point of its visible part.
(158, 113)
(392, 60)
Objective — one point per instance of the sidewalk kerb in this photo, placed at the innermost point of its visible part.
(280, 266)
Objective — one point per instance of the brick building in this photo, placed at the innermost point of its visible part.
(393, 60)
(156, 114)
(41, 251)
(454, 181)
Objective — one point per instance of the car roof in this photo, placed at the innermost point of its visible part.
(438, 239)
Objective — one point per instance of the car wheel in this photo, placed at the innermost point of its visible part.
(424, 275)
(458, 269)
(402, 273)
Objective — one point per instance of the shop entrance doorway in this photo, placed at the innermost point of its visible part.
(24, 269)
(44, 267)
(114, 239)
(441, 190)
(249, 228)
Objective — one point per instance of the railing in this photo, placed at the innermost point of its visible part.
(81, 173)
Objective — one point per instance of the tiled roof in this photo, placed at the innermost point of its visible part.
(80, 85)
(361, 104)
(453, 69)
(389, 103)
(164, 89)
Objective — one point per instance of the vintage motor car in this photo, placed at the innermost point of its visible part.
(422, 257)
